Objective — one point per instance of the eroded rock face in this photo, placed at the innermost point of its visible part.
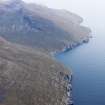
(30, 77)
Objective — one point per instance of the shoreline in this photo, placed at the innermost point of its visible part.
(69, 47)
(69, 100)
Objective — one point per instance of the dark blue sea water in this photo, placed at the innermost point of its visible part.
(88, 66)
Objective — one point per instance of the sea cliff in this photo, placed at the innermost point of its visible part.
(29, 75)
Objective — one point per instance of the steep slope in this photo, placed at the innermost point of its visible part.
(30, 77)
(39, 26)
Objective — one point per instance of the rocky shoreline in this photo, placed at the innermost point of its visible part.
(68, 78)
(69, 100)
(70, 47)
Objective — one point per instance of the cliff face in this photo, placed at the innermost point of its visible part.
(29, 77)
(39, 26)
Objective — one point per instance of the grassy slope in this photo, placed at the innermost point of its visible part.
(30, 77)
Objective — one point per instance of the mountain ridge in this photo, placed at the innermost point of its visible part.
(42, 27)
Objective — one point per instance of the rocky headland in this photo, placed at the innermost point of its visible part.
(41, 27)
(30, 33)
(31, 77)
